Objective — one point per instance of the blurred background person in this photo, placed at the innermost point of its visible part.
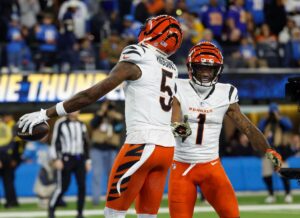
(15, 45)
(107, 126)
(80, 16)
(67, 43)
(110, 50)
(70, 154)
(275, 128)
(9, 159)
(46, 34)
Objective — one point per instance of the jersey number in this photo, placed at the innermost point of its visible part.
(165, 88)
(199, 138)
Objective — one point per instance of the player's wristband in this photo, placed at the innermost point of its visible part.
(60, 110)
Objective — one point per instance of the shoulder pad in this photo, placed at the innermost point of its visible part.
(132, 53)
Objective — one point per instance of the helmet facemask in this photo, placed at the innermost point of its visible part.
(205, 74)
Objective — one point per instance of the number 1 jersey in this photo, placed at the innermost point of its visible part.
(148, 100)
(205, 116)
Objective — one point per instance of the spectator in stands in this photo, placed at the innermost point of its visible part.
(8, 162)
(29, 9)
(212, 16)
(292, 7)
(194, 26)
(170, 8)
(284, 39)
(267, 46)
(238, 14)
(7, 9)
(232, 35)
(131, 29)
(100, 19)
(256, 9)
(295, 47)
(67, 43)
(275, 128)
(195, 6)
(140, 11)
(275, 15)
(247, 53)
(47, 34)
(107, 126)
(208, 36)
(15, 45)
(81, 16)
(87, 55)
(110, 50)
(155, 7)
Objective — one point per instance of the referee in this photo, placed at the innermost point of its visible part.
(69, 150)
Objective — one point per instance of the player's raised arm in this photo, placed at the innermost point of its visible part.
(121, 72)
(180, 126)
(255, 136)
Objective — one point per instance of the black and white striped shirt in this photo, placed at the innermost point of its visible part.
(69, 137)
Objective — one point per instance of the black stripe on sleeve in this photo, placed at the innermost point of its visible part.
(230, 92)
(131, 51)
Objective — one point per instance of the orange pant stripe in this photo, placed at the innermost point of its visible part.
(146, 185)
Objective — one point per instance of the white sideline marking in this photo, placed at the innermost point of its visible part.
(61, 213)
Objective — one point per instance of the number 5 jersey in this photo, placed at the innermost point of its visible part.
(205, 116)
(148, 100)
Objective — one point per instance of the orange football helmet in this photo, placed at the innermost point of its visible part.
(162, 32)
(205, 63)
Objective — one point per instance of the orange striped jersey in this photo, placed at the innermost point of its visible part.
(205, 116)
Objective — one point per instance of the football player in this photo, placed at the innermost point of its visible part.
(140, 169)
(203, 103)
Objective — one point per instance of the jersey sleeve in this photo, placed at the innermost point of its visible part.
(233, 95)
(132, 54)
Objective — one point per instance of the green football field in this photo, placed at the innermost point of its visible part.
(250, 206)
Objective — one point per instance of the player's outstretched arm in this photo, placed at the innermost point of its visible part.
(255, 136)
(121, 72)
(180, 127)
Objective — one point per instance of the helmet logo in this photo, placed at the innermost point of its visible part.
(163, 43)
(209, 60)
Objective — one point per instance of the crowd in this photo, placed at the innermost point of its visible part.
(67, 35)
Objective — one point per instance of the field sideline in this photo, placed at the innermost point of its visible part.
(250, 206)
(267, 209)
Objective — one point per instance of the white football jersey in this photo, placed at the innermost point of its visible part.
(205, 116)
(148, 100)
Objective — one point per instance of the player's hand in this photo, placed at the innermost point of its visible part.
(32, 119)
(275, 158)
(58, 164)
(181, 129)
(88, 166)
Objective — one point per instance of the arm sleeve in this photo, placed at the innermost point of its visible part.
(132, 54)
(233, 95)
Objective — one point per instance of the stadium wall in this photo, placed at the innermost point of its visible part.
(243, 172)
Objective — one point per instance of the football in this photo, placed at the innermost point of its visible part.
(38, 132)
